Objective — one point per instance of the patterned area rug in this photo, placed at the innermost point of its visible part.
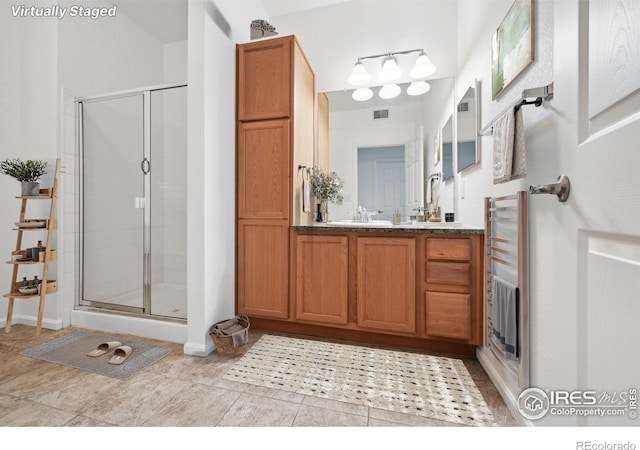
(71, 351)
(423, 385)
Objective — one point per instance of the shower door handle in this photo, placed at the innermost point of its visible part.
(145, 166)
(140, 203)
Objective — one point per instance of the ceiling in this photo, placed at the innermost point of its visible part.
(281, 7)
(333, 33)
(165, 20)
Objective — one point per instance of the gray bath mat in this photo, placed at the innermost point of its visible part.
(71, 351)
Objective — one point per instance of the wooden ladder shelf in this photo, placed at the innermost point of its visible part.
(18, 257)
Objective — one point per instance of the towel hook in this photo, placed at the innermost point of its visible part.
(561, 188)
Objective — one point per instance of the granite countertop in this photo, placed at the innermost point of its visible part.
(418, 227)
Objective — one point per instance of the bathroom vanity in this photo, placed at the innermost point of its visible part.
(412, 286)
(415, 286)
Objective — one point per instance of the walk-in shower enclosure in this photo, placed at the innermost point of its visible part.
(133, 202)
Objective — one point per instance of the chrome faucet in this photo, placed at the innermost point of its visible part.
(361, 215)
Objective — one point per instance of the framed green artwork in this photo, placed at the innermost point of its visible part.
(512, 46)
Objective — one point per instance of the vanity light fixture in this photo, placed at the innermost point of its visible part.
(418, 88)
(362, 94)
(359, 75)
(389, 91)
(390, 72)
(423, 67)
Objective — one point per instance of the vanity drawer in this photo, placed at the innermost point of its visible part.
(449, 249)
(448, 273)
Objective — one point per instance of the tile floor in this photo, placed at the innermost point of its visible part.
(177, 391)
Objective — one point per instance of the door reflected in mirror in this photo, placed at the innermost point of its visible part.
(467, 134)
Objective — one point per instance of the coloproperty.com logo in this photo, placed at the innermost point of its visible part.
(534, 403)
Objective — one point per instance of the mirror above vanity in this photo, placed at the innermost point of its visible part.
(384, 149)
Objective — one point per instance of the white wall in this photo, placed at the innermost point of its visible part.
(175, 61)
(29, 127)
(549, 367)
(474, 62)
(107, 55)
(211, 161)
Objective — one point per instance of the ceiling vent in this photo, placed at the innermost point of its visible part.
(463, 107)
(379, 114)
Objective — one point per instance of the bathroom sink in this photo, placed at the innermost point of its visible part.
(436, 224)
(372, 224)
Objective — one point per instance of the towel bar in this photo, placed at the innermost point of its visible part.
(541, 94)
(506, 252)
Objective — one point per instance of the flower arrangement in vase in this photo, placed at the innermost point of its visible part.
(325, 188)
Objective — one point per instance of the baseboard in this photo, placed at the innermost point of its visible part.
(193, 349)
(148, 328)
(507, 391)
(32, 321)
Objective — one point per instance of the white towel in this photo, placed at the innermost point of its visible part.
(306, 196)
(503, 132)
(509, 154)
(519, 163)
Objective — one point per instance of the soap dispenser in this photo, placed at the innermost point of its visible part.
(396, 217)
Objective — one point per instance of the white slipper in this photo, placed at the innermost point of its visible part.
(103, 348)
(120, 354)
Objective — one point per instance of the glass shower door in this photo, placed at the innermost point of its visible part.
(168, 196)
(113, 209)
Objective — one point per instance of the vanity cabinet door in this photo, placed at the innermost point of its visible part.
(263, 268)
(322, 278)
(263, 169)
(386, 289)
(448, 315)
(265, 79)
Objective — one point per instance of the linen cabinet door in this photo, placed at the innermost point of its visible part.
(386, 285)
(263, 268)
(322, 278)
(265, 79)
(263, 169)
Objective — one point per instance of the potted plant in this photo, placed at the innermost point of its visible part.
(27, 172)
(326, 188)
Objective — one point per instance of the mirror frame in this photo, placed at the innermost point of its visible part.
(446, 175)
(476, 120)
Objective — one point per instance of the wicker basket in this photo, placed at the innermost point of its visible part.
(224, 343)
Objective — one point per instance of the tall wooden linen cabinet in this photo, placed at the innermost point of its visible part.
(275, 136)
